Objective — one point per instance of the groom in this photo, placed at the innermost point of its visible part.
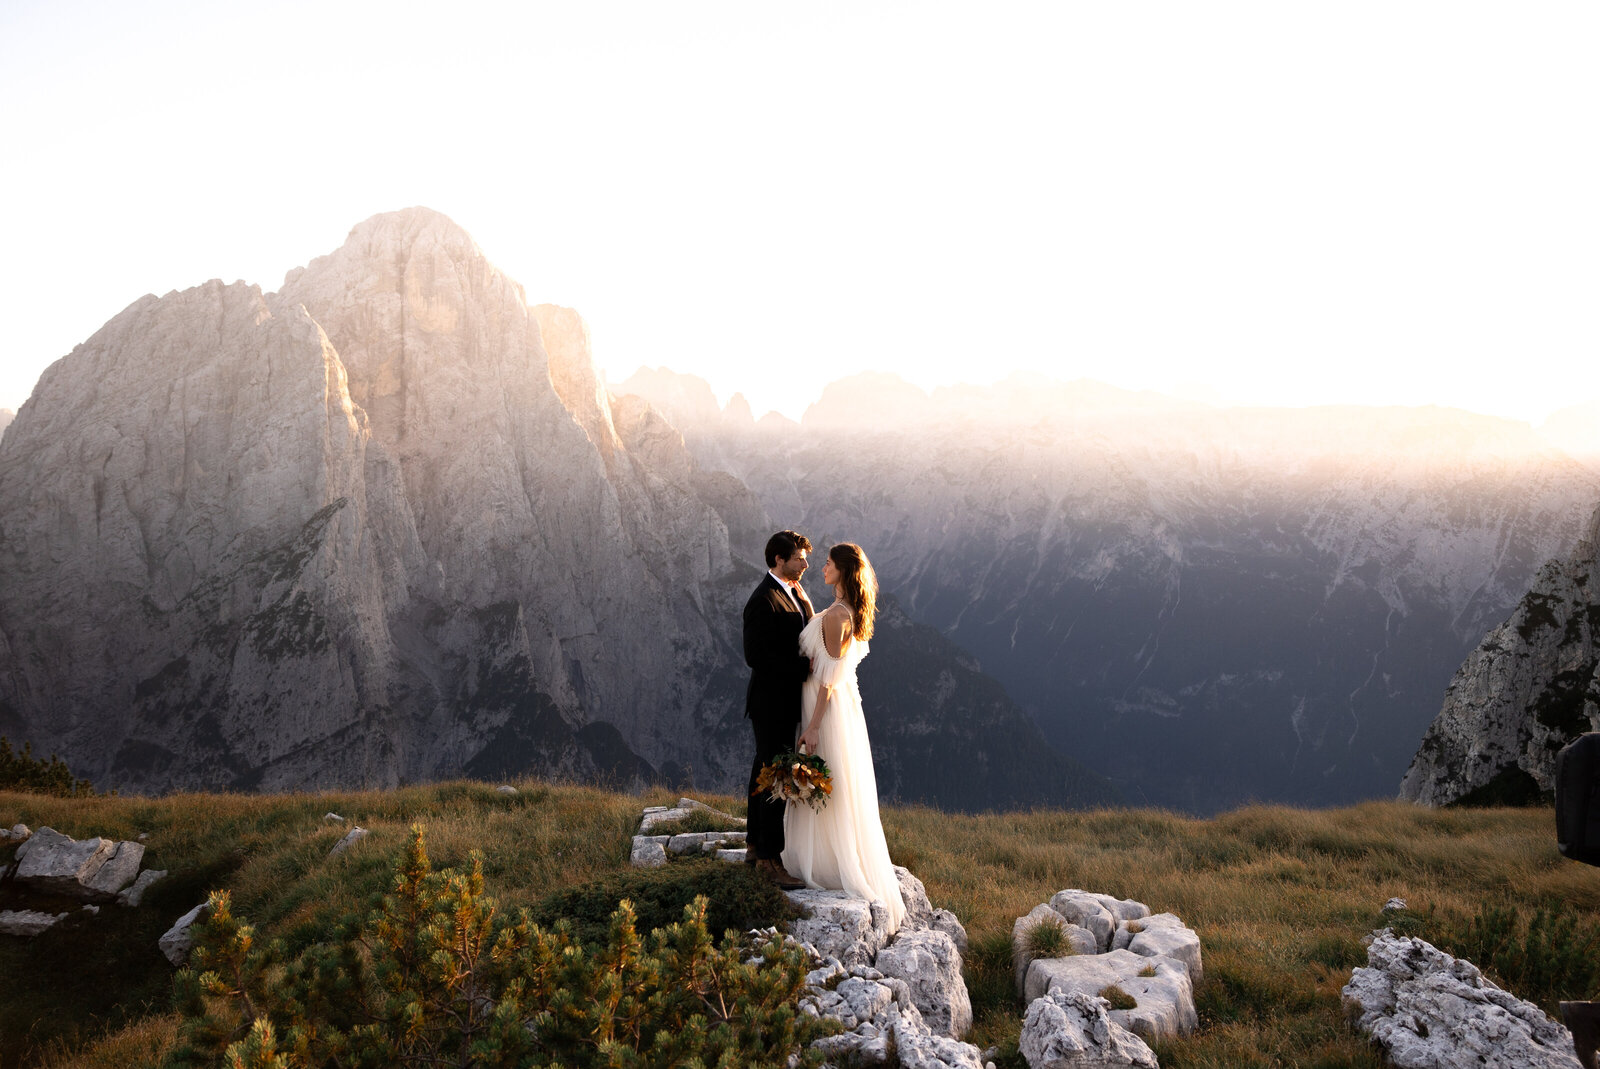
(773, 618)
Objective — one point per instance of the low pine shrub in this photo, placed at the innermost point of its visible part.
(25, 772)
(1544, 957)
(436, 976)
(738, 899)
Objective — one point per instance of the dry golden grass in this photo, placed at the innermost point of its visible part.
(1280, 897)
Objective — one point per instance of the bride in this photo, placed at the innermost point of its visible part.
(841, 846)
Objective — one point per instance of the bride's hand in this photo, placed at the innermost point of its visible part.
(808, 740)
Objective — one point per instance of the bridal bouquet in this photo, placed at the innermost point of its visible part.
(797, 777)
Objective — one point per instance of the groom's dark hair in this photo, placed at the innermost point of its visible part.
(783, 545)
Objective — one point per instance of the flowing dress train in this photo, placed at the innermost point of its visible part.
(842, 845)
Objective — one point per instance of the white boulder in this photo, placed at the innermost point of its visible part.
(1429, 1010)
(1071, 1030)
(1160, 987)
(351, 837)
(841, 925)
(1087, 911)
(649, 851)
(928, 961)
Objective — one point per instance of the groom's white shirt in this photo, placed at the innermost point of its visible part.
(789, 589)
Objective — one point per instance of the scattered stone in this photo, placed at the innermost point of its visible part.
(505, 788)
(133, 894)
(351, 837)
(179, 939)
(94, 869)
(1072, 1030)
(27, 922)
(735, 856)
(1165, 1001)
(1428, 1009)
(649, 851)
(93, 911)
(17, 834)
(331, 815)
(1393, 904)
(1162, 935)
(144, 836)
(928, 961)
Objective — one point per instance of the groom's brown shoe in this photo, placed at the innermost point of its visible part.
(772, 870)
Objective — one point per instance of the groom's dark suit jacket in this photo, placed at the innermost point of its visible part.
(772, 624)
(772, 627)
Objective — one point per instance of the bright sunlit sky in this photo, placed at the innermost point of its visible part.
(1288, 203)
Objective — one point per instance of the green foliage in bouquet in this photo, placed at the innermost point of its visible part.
(435, 976)
(25, 772)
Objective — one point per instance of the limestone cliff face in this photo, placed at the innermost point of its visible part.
(1527, 691)
(363, 530)
(192, 511)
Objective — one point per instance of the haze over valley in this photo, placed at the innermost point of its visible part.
(391, 523)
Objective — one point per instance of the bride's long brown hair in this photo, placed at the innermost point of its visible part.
(859, 584)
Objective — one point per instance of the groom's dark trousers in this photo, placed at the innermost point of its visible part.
(772, 624)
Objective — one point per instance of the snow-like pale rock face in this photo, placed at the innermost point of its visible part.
(349, 533)
(1210, 605)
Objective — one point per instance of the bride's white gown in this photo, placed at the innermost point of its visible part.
(841, 846)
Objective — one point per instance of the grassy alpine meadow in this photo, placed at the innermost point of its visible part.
(1281, 899)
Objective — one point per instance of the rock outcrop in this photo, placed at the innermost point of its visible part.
(1071, 1030)
(1428, 1010)
(1530, 688)
(1106, 944)
(92, 870)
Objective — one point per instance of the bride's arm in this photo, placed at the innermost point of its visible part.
(835, 633)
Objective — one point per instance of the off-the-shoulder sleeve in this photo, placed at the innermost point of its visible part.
(831, 671)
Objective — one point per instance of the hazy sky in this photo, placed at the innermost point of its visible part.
(1292, 203)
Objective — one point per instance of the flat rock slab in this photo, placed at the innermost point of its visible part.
(1165, 1000)
(133, 894)
(1162, 935)
(28, 923)
(90, 870)
(1429, 1010)
(841, 925)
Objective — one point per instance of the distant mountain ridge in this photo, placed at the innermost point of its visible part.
(1208, 605)
(388, 525)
